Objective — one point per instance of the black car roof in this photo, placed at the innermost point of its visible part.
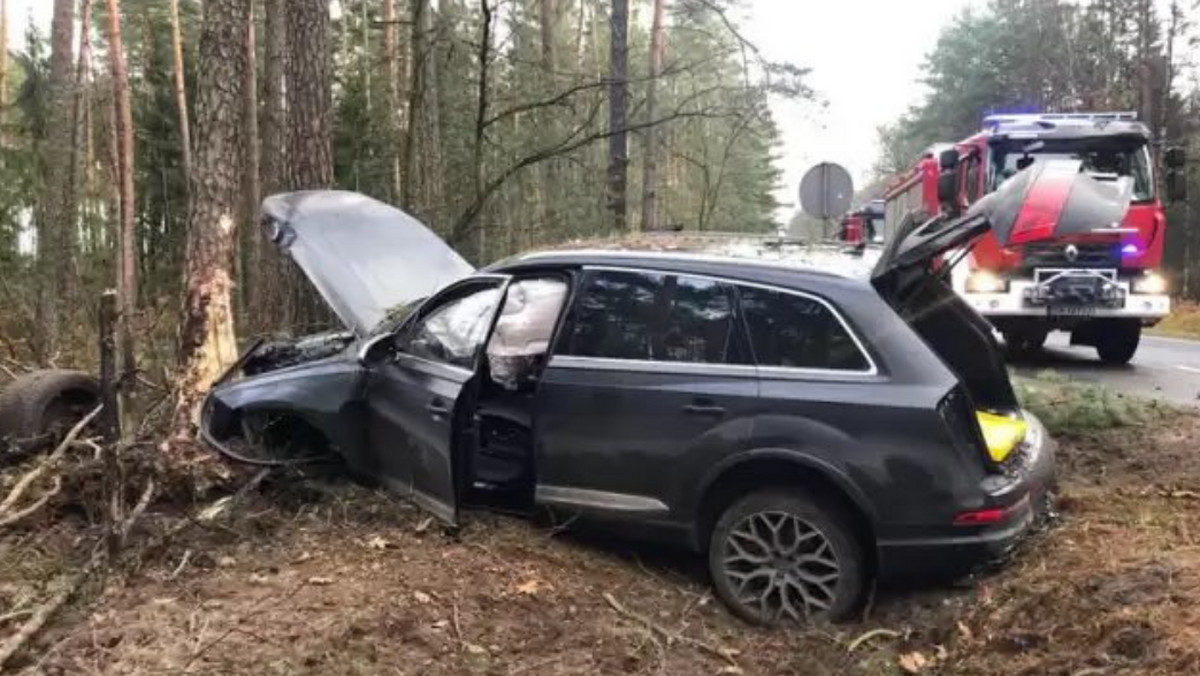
(854, 274)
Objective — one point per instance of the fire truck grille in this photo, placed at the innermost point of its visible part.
(1085, 255)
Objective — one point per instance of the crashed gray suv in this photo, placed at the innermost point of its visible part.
(805, 430)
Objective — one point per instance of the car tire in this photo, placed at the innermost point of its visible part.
(777, 557)
(37, 408)
(1116, 342)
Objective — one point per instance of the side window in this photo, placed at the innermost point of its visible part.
(654, 317)
(699, 326)
(613, 316)
(794, 331)
(453, 331)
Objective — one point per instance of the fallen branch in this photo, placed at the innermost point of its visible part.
(719, 652)
(10, 518)
(34, 474)
(874, 633)
(44, 612)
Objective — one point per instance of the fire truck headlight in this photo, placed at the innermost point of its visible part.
(1150, 283)
(985, 281)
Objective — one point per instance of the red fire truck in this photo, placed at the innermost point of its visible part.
(864, 224)
(1102, 287)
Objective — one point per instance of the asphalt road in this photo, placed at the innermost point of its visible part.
(1167, 368)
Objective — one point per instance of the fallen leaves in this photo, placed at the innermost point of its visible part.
(422, 598)
(532, 587)
(913, 662)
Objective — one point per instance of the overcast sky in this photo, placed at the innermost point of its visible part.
(865, 57)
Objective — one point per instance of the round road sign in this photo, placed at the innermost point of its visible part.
(826, 190)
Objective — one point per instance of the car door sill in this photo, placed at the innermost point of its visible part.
(593, 500)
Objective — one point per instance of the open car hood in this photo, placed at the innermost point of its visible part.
(364, 257)
(1049, 199)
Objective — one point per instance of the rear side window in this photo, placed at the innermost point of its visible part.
(654, 317)
(794, 331)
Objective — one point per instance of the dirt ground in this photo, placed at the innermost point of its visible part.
(342, 580)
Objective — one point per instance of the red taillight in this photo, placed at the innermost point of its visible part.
(991, 515)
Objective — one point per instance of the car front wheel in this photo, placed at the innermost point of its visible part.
(777, 557)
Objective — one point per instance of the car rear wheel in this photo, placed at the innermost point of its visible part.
(778, 558)
(1117, 341)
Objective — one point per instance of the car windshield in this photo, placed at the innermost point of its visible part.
(1104, 163)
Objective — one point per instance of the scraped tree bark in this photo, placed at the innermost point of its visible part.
(59, 206)
(127, 282)
(207, 344)
(650, 152)
(618, 144)
(185, 132)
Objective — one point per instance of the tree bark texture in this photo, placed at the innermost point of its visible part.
(56, 228)
(618, 144)
(270, 306)
(207, 343)
(309, 95)
(127, 282)
(251, 239)
(310, 131)
(185, 132)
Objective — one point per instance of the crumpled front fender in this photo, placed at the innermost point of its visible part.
(322, 393)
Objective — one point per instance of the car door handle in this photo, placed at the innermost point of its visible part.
(704, 409)
(438, 409)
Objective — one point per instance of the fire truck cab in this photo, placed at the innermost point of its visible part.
(1103, 286)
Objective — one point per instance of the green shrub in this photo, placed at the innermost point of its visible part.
(1070, 407)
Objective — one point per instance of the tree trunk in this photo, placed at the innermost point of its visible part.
(207, 344)
(422, 186)
(56, 228)
(185, 132)
(127, 285)
(309, 95)
(650, 152)
(82, 73)
(3, 75)
(271, 287)
(481, 111)
(618, 145)
(251, 277)
(310, 128)
(391, 69)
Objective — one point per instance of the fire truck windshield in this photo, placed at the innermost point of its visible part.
(1132, 162)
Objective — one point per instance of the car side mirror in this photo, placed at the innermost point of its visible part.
(1174, 158)
(371, 350)
(1176, 186)
(948, 160)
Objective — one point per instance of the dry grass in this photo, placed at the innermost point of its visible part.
(1183, 322)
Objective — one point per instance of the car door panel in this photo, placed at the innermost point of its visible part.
(414, 395)
(648, 371)
(626, 430)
